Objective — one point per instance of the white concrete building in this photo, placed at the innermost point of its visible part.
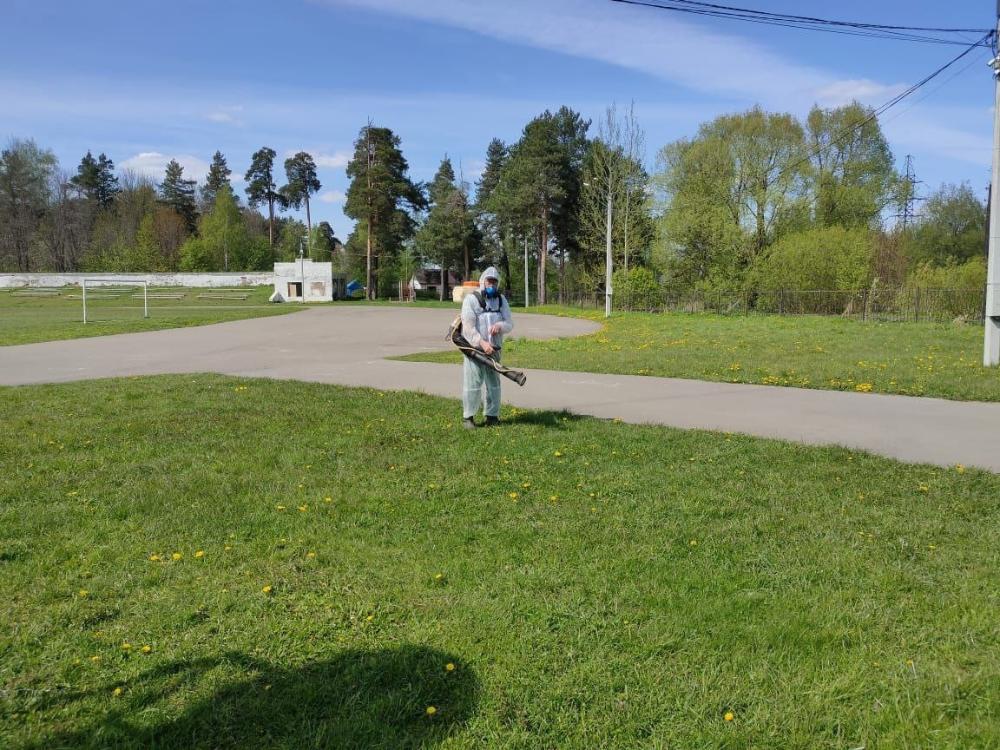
(311, 277)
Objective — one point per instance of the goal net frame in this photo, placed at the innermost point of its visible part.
(117, 282)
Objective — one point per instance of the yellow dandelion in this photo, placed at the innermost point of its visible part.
(176, 556)
(327, 499)
(280, 507)
(126, 646)
(96, 658)
(923, 488)
(200, 553)
(512, 495)
(526, 485)
(558, 454)
(227, 548)
(83, 593)
(553, 498)
(449, 667)
(439, 577)
(147, 649)
(729, 716)
(431, 710)
(960, 469)
(310, 554)
(117, 692)
(267, 589)
(369, 618)
(693, 543)
(303, 508)
(154, 558)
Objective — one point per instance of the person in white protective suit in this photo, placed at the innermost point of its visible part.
(485, 320)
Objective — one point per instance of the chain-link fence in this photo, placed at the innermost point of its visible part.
(887, 304)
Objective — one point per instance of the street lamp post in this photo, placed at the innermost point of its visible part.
(607, 255)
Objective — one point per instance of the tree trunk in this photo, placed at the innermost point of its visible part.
(562, 274)
(270, 222)
(309, 224)
(505, 263)
(368, 261)
(468, 262)
(542, 253)
(441, 288)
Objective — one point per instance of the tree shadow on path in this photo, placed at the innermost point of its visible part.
(358, 699)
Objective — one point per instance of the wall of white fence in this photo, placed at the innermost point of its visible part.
(252, 278)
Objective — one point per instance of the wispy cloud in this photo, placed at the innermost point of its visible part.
(332, 196)
(639, 39)
(226, 115)
(154, 164)
(336, 160)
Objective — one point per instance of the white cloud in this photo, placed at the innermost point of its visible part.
(336, 160)
(154, 164)
(226, 115)
(332, 196)
(640, 39)
(839, 93)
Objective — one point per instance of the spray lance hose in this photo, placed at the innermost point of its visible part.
(478, 355)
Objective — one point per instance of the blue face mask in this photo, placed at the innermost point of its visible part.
(492, 291)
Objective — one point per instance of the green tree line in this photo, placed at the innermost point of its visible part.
(753, 200)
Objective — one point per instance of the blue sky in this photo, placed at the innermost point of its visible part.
(148, 81)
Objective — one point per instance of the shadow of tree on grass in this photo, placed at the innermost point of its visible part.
(357, 699)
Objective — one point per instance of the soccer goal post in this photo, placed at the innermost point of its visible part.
(115, 283)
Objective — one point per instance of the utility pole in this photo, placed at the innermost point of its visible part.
(607, 257)
(991, 318)
(527, 291)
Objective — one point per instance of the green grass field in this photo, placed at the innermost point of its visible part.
(199, 561)
(917, 359)
(27, 320)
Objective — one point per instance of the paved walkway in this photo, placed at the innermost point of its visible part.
(348, 345)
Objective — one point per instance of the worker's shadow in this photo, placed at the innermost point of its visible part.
(389, 698)
(559, 420)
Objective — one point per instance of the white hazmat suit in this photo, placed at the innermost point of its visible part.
(476, 324)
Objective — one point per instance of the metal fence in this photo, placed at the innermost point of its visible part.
(905, 304)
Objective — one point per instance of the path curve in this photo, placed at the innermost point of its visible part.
(347, 345)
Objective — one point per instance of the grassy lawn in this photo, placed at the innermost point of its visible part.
(917, 359)
(199, 561)
(26, 320)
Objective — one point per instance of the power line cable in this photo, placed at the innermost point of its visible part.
(809, 23)
(888, 105)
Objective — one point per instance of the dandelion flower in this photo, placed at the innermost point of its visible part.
(449, 667)
(154, 558)
(176, 556)
(83, 593)
(693, 543)
(147, 649)
(280, 507)
(439, 577)
(117, 692)
(557, 454)
(369, 618)
(512, 495)
(431, 710)
(96, 658)
(200, 553)
(126, 646)
(960, 469)
(303, 508)
(327, 499)
(267, 589)
(729, 716)
(227, 548)
(310, 554)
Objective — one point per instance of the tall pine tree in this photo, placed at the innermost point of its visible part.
(178, 193)
(302, 182)
(381, 199)
(218, 176)
(261, 187)
(493, 228)
(96, 180)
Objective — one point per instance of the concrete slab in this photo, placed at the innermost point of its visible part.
(347, 345)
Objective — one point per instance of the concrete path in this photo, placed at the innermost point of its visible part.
(348, 345)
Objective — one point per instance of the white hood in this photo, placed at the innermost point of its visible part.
(489, 273)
